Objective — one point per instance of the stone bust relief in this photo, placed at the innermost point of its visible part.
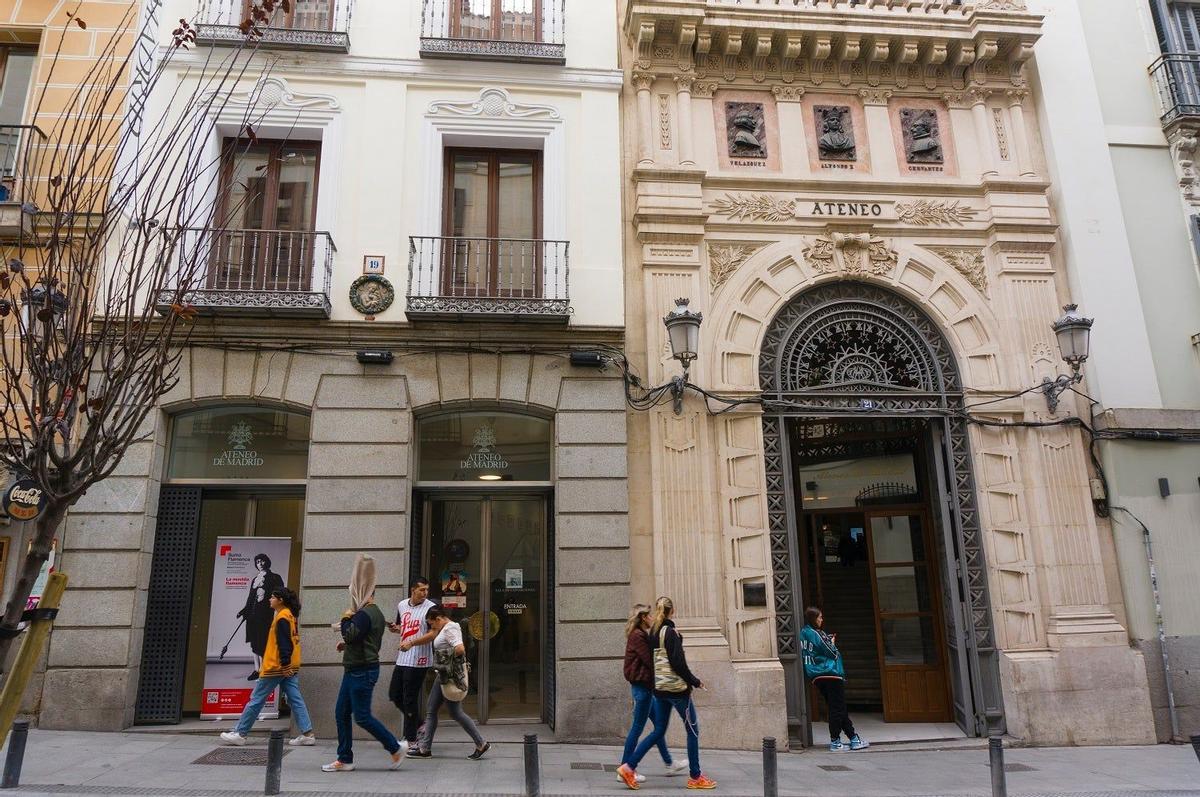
(836, 141)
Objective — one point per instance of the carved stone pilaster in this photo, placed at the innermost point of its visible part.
(788, 93)
(704, 89)
(1184, 143)
(875, 96)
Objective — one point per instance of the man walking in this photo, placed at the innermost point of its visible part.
(415, 656)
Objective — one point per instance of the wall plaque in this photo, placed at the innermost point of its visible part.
(836, 127)
(922, 136)
(746, 130)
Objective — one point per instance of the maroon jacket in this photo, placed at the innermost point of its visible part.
(639, 663)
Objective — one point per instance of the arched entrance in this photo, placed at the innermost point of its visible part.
(865, 391)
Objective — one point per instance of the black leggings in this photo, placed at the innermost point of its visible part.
(834, 692)
(405, 692)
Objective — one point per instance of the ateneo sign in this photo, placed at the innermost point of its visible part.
(24, 500)
(484, 455)
(239, 454)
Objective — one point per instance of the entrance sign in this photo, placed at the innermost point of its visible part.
(245, 571)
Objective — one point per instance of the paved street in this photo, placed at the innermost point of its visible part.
(82, 764)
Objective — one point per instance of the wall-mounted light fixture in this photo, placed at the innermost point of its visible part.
(1073, 332)
(683, 330)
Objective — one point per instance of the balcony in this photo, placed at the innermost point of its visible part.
(315, 25)
(497, 30)
(1177, 78)
(514, 279)
(273, 273)
(20, 150)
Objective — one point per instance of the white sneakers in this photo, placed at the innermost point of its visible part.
(337, 766)
(678, 768)
(234, 738)
(303, 741)
(398, 756)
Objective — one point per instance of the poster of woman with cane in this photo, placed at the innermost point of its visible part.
(257, 612)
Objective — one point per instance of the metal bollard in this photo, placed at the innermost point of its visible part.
(1196, 745)
(16, 754)
(533, 774)
(274, 762)
(770, 768)
(996, 762)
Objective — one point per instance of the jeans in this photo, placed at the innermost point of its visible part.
(661, 717)
(354, 701)
(643, 702)
(290, 687)
(436, 699)
(405, 692)
(834, 692)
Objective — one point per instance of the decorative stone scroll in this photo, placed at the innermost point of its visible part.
(967, 261)
(725, 259)
(853, 255)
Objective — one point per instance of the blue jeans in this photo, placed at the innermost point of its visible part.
(354, 702)
(661, 717)
(643, 702)
(290, 687)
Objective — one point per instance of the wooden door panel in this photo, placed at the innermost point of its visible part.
(914, 695)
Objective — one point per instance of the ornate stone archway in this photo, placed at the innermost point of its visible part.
(847, 346)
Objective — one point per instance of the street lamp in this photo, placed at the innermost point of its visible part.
(683, 330)
(1073, 332)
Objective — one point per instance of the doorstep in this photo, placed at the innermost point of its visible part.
(199, 727)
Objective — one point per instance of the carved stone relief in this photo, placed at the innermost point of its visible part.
(725, 259)
(924, 212)
(664, 121)
(922, 137)
(754, 207)
(836, 126)
(745, 130)
(853, 255)
(967, 261)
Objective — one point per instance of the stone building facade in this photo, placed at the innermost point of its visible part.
(858, 198)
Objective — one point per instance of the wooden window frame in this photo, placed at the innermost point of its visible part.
(290, 16)
(496, 17)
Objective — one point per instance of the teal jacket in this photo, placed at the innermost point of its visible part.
(821, 657)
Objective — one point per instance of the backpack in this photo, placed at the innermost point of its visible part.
(665, 679)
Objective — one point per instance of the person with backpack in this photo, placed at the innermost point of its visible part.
(450, 662)
(280, 667)
(823, 666)
(639, 671)
(673, 685)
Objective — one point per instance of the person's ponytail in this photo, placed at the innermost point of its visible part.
(663, 609)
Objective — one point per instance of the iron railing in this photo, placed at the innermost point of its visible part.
(1177, 79)
(511, 30)
(268, 272)
(19, 145)
(517, 278)
(309, 25)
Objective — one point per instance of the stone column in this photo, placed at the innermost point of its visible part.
(983, 134)
(1016, 108)
(645, 121)
(884, 160)
(683, 114)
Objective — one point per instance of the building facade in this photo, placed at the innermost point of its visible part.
(860, 200)
(1122, 156)
(418, 223)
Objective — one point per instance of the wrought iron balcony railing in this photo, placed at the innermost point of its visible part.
(1177, 78)
(255, 272)
(508, 30)
(20, 147)
(308, 25)
(520, 279)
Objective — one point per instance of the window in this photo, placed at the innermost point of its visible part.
(303, 15)
(493, 215)
(484, 446)
(499, 20)
(237, 443)
(1187, 20)
(16, 72)
(269, 205)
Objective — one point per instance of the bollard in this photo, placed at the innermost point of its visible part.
(533, 775)
(770, 768)
(1196, 745)
(16, 755)
(274, 762)
(996, 762)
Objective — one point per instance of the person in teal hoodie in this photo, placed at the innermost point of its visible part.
(823, 666)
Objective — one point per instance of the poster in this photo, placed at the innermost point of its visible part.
(454, 588)
(245, 571)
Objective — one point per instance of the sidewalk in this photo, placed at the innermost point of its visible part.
(85, 764)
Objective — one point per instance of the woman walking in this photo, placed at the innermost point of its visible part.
(280, 667)
(639, 671)
(823, 666)
(673, 684)
(450, 661)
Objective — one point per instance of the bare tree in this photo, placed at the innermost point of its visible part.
(93, 299)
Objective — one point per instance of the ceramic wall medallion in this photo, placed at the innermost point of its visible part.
(835, 125)
(745, 130)
(371, 294)
(922, 137)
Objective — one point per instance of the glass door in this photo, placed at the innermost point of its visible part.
(485, 563)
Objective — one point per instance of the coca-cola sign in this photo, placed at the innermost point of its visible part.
(24, 499)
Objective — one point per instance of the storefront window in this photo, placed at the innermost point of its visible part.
(484, 446)
(252, 443)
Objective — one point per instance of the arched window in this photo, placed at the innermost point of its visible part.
(483, 447)
(235, 443)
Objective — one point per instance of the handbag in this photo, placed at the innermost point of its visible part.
(455, 679)
(665, 679)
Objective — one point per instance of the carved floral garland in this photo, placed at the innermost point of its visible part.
(924, 212)
(755, 207)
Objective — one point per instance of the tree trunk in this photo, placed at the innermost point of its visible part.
(46, 526)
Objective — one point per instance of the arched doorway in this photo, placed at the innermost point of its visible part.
(864, 389)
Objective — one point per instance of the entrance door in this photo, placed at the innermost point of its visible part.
(908, 631)
(486, 564)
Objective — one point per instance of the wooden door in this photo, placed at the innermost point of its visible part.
(908, 625)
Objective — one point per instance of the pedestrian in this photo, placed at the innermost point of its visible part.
(673, 685)
(280, 668)
(823, 666)
(450, 661)
(414, 657)
(639, 671)
(362, 634)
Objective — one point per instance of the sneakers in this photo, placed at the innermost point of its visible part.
(628, 777)
(858, 743)
(252, 676)
(480, 751)
(637, 776)
(702, 782)
(398, 756)
(234, 738)
(337, 766)
(678, 768)
(837, 746)
(417, 752)
(303, 740)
